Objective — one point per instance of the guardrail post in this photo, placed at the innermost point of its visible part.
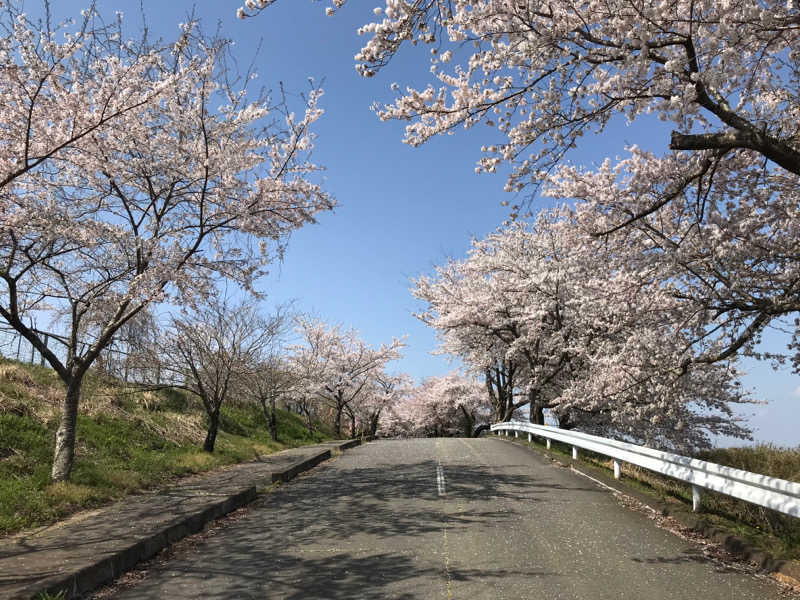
(616, 469)
(695, 498)
(530, 437)
(574, 453)
(516, 434)
(548, 444)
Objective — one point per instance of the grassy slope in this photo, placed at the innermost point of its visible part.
(127, 440)
(772, 531)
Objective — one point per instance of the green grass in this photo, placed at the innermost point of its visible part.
(127, 440)
(760, 525)
(767, 529)
(49, 596)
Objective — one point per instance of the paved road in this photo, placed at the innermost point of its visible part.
(439, 519)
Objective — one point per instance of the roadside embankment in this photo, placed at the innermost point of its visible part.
(92, 548)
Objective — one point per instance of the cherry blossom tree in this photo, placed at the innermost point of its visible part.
(400, 419)
(592, 339)
(382, 394)
(193, 180)
(337, 366)
(724, 75)
(449, 405)
(466, 397)
(729, 273)
(215, 350)
(478, 320)
(397, 420)
(270, 381)
(271, 378)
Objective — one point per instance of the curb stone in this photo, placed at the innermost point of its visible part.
(349, 444)
(109, 568)
(341, 446)
(299, 467)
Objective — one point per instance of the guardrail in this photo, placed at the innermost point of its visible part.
(771, 492)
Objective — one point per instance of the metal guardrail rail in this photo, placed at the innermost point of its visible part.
(771, 492)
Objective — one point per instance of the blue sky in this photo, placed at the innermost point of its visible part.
(401, 210)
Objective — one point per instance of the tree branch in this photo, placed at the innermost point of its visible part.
(773, 149)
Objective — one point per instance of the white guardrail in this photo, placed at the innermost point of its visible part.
(771, 492)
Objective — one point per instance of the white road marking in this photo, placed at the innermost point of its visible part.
(597, 481)
(614, 490)
(440, 480)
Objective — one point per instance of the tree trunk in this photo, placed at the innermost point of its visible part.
(309, 421)
(352, 426)
(270, 417)
(64, 454)
(469, 421)
(273, 421)
(565, 422)
(213, 427)
(373, 425)
(536, 408)
(493, 399)
(337, 422)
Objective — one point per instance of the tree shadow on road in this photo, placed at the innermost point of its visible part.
(403, 500)
(247, 572)
(351, 532)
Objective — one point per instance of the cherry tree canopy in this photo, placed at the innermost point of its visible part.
(591, 339)
(377, 402)
(216, 349)
(55, 91)
(439, 406)
(547, 73)
(724, 74)
(336, 365)
(731, 271)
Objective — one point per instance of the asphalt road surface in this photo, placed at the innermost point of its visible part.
(440, 519)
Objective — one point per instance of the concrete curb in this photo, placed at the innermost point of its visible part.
(684, 516)
(88, 577)
(346, 445)
(304, 465)
(109, 568)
